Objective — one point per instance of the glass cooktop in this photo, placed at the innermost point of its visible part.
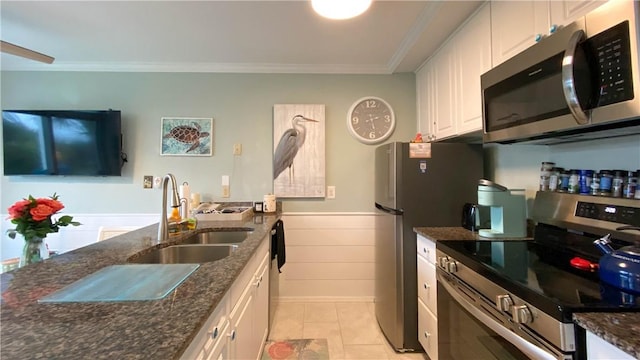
(541, 276)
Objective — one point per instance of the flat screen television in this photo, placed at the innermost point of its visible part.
(61, 142)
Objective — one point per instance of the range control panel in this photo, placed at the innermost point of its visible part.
(613, 213)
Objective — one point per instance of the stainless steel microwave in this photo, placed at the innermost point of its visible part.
(580, 83)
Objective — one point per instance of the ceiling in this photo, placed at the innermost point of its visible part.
(262, 36)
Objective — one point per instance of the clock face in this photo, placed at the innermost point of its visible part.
(371, 120)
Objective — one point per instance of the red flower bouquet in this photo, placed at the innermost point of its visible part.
(33, 218)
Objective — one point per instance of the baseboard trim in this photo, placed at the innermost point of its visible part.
(311, 299)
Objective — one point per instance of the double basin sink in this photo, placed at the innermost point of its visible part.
(199, 248)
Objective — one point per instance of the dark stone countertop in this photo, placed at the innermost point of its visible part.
(612, 327)
(455, 233)
(157, 329)
(619, 329)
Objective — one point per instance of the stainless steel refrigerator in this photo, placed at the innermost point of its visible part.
(427, 189)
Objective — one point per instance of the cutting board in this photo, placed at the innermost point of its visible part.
(132, 282)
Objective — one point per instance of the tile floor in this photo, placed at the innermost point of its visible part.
(350, 329)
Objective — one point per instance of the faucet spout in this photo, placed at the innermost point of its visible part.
(163, 232)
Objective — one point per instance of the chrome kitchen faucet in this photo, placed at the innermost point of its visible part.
(163, 233)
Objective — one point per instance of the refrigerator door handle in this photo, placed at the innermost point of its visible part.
(389, 210)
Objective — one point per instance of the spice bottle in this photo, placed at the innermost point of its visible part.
(554, 178)
(564, 181)
(574, 182)
(617, 183)
(586, 176)
(629, 188)
(595, 184)
(545, 174)
(606, 182)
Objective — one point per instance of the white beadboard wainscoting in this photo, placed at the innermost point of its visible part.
(330, 257)
(73, 237)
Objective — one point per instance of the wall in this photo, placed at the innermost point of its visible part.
(518, 166)
(241, 106)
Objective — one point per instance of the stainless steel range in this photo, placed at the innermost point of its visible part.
(515, 299)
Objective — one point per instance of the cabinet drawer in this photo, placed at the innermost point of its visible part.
(427, 330)
(427, 248)
(427, 289)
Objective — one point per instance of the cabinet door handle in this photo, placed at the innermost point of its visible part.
(232, 334)
(427, 334)
(214, 333)
(426, 286)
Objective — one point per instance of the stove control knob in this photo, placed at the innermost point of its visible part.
(443, 261)
(522, 314)
(504, 302)
(452, 266)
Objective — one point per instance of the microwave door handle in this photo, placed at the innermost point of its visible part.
(568, 81)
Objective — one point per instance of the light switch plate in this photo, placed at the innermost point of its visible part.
(237, 149)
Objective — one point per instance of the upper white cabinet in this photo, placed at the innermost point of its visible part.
(516, 25)
(473, 58)
(445, 92)
(448, 85)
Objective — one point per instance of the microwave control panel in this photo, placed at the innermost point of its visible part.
(613, 213)
(613, 56)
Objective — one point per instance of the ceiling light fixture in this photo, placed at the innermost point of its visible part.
(9, 48)
(340, 9)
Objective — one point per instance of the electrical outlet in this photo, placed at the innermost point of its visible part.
(237, 149)
(331, 192)
(147, 182)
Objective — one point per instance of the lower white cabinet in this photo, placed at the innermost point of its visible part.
(427, 297)
(211, 341)
(238, 327)
(427, 330)
(600, 349)
(250, 317)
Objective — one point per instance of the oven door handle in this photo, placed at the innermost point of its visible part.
(526, 347)
(568, 80)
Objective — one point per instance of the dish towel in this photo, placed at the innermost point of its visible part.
(277, 243)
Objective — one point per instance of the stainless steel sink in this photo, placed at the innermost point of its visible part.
(227, 236)
(185, 254)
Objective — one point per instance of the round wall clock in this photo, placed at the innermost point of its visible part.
(371, 120)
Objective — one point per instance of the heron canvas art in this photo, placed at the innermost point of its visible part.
(298, 150)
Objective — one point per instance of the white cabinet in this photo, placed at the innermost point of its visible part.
(238, 327)
(516, 25)
(211, 341)
(425, 90)
(261, 303)
(444, 123)
(448, 86)
(249, 317)
(600, 349)
(427, 330)
(473, 58)
(427, 296)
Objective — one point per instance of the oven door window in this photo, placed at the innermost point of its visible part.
(461, 336)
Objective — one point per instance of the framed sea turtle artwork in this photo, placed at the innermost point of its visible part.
(183, 136)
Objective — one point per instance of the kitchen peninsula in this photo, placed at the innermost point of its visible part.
(156, 329)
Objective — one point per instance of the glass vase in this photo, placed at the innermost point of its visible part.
(34, 250)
